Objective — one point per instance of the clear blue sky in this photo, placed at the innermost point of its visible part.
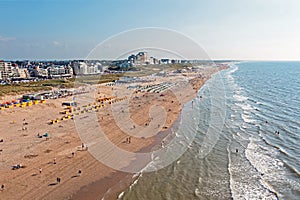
(226, 29)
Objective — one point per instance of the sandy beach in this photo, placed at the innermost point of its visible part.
(61, 155)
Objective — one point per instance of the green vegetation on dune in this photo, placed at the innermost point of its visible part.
(97, 79)
(143, 70)
(180, 66)
(110, 77)
(21, 88)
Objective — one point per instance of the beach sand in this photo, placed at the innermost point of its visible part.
(22, 146)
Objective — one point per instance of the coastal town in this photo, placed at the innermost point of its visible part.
(44, 155)
(25, 71)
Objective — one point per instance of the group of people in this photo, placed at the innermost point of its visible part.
(25, 124)
(58, 179)
(46, 135)
(128, 140)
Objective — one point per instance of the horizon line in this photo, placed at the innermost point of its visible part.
(225, 59)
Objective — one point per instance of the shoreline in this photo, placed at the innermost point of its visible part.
(117, 181)
(123, 180)
(24, 147)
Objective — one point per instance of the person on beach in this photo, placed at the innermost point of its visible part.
(54, 160)
(2, 187)
(82, 146)
(58, 180)
(73, 154)
(40, 170)
(79, 172)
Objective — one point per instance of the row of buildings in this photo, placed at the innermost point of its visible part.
(17, 70)
(14, 71)
(47, 70)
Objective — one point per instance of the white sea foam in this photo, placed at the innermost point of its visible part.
(272, 169)
(246, 112)
(229, 73)
(259, 103)
(134, 183)
(234, 68)
(245, 106)
(240, 97)
(247, 119)
(197, 192)
(263, 159)
(244, 180)
(121, 195)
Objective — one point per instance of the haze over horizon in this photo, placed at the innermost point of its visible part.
(232, 29)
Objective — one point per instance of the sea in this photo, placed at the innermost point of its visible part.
(240, 139)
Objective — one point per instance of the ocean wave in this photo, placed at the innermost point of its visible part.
(121, 195)
(248, 119)
(273, 171)
(240, 98)
(259, 103)
(244, 179)
(233, 68)
(245, 106)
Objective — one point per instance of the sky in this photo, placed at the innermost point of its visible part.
(224, 29)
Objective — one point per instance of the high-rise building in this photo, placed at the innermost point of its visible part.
(5, 70)
(142, 58)
(80, 68)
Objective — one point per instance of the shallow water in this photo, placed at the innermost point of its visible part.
(260, 98)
